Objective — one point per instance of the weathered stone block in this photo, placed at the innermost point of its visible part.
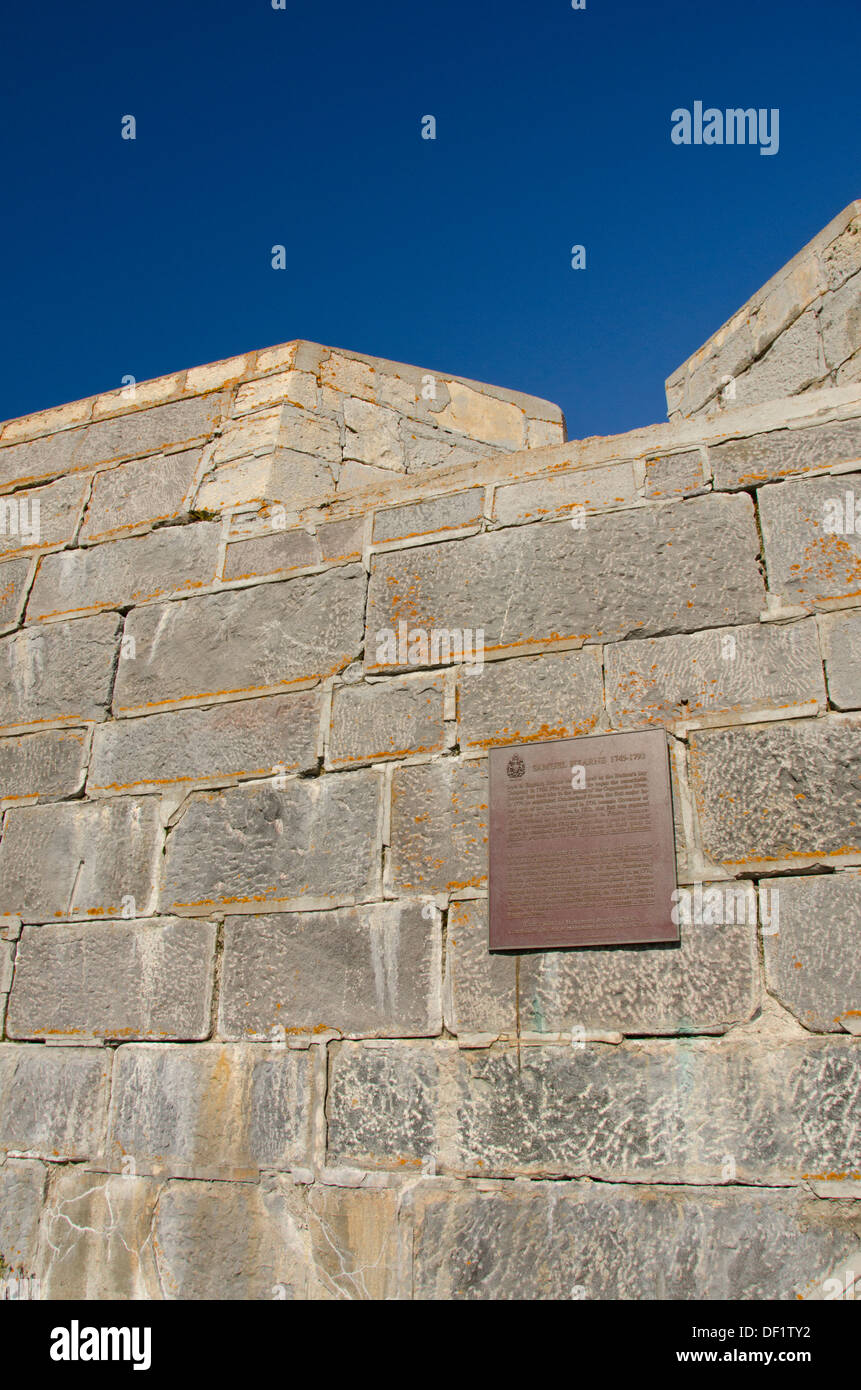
(675, 475)
(97, 1237)
(52, 1100)
(679, 567)
(246, 738)
(741, 462)
(245, 641)
(42, 516)
(591, 489)
(342, 540)
(373, 434)
(840, 322)
(386, 720)
(570, 1240)
(50, 764)
(706, 983)
(428, 446)
(843, 257)
(60, 673)
(79, 859)
(283, 388)
(559, 695)
(137, 495)
(116, 574)
(794, 361)
(307, 433)
(483, 417)
(250, 846)
(371, 971)
(439, 826)
(22, 1185)
(121, 980)
(14, 575)
(812, 962)
(274, 554)
(354, 1241)
(717, 674)
(7, 963)
(807, 560)
(382, 1104)
(841, 648)
(212, 1110)
(449, 513)
(778, 793)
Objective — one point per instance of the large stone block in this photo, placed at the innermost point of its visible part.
(137, 495)
(559, 695)
(439, 826)
(714, 675)
(121, 980)
(813, 962)
(50, 764)
(246, 738)
(743, 462)
(41, 517)
(778, 794)
(278, 553)
(793, 362)
(371, 971)
(589, 489)
(211, 1110)
(243, 642)
(382, 1103)
(647, 571)
(22, 1186)
(79, 860)
(171, 561)
(583, 1241)
(52, 1100)
(317, 839)
(840, 322)
(373, 435)
(706, 983)
(387, 719)
(97, 1237)
(455, 511)
(61, 673)
(354, 1243)
(807, 560)
(841, 649)
(14, 575)
(674, 475)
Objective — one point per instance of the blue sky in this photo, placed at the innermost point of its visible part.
(302, 127)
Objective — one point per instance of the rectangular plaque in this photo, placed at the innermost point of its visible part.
(582, 848)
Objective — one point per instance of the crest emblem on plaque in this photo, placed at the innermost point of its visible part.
(515, 767)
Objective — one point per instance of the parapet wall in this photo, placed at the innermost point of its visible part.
(254, 1043)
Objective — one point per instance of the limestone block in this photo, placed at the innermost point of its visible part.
(317, 838)
(79, 860)
(293, 388)
(134, 496)
(342, 540)
(451, 512)
(354, 1236)
(250, 434)
(841, 647)
(386, 720)
(52, 1100)
(211, 1110)
(371, 971)
(278, 553)
(145, 979)
(22, 1185)
(246, 738)
(382, 1102)
(373, 435)
(541, 433)
(428, 446)
(97, 1237)
(40, 517)
(813, 963)
(591, 488)
(439, 823)
(706, 983)
(675, 475)
(806, 561)
(350, 375)
(243, 642)
(483, 417)
(778, 793)
(680, 567)
(61, 673)
(49, 764)
(840, 322)
(719, 673)
(116, 574)
(790, 297)
(559, 695)
(14, 575)
(308, 433)
(794, 361)
(761, 457)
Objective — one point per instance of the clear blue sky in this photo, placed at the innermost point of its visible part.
(302, 127)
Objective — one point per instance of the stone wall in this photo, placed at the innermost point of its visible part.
(254, 1043)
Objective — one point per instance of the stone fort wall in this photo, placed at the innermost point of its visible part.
(254, 1045)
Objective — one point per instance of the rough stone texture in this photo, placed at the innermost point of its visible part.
(794, 361)
(840, 634)
(97, 1237)
(354, 1238)
(41, 517)
(779, 793)
(60, 674)
(813, 963)
(251, 846)
(14, 575)
(137, 495)
(451, 512)
(439, 827)
(52, 1100)
(386, 720)
(248, 738)
(167, 562)
(79, 860)
(275, 554)
(675, 475)
(706, 983)
(22, 1186)
(807, 562)
(644, 572)
(544, 697)
(568, 1240)
(372, 435)
(612, 486)
(840, 322)
(730, 671)
(364, 972)
(744, 462)
(211, 1111)
(246, 641)
(381, 1104)
(121, 980)
(48, 765)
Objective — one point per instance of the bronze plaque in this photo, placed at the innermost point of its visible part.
(582, 849)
